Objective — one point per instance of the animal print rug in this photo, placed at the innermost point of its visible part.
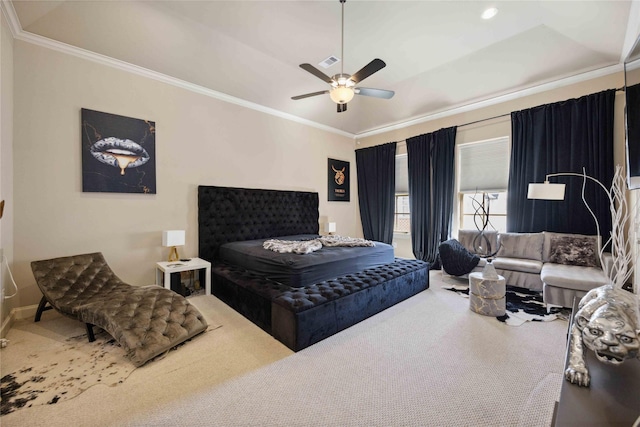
(61, 370)
(52, 361)
(523, 305)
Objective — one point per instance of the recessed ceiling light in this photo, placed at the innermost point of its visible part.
(489, 13)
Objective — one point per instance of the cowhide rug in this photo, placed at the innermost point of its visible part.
(523, 305)
(60, 370)
(52, 361)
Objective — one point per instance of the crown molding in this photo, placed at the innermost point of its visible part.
(20, 34)
(556, 84)
(10, 15)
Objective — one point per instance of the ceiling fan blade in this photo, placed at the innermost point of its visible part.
(378, 93)
(367, 70)
(307, 95)
(342, 107)
(319, 74)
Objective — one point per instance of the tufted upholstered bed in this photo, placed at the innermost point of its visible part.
(305, 307)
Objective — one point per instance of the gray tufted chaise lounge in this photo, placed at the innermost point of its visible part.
(145, 320)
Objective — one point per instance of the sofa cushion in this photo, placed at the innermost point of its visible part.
(518, 264)
(581, 251)
(522, 280)
(572, 277)
(521, 245)
(549, 236)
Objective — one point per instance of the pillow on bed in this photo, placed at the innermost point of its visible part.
(574, 250)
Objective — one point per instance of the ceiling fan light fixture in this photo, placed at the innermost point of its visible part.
(343, 86)
(341, 94)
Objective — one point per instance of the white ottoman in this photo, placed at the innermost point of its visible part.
(487, 296)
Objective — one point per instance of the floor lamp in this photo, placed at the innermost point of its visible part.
(622, 267)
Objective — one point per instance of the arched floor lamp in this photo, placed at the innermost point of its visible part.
(622, 267)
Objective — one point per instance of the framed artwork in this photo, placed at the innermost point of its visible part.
(118, 154)
(338, 180)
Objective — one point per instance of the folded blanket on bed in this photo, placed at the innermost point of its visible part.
(344, 241)
(292, 246)
(307, 246)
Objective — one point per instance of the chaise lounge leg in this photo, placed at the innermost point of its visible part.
(41, 307)
(92, 337)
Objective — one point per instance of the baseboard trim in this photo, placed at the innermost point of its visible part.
(26, 312)
(6, 324)
(19, 313)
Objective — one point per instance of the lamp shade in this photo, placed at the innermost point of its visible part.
(341, 94)
(173, 238)
(546, 191)
(330, 227)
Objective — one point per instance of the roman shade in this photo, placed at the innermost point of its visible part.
(484, 165)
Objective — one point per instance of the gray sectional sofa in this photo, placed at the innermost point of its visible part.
(562, 266)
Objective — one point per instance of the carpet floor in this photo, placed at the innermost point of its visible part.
(428, 361)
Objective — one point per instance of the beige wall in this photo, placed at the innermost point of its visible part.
(6, 162)
(199, 140)
(502, 126)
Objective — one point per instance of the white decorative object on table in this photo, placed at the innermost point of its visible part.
(489, 271)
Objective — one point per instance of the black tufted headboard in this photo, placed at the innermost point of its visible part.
(227, 214)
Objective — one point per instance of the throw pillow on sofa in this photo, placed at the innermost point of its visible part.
(574, 250)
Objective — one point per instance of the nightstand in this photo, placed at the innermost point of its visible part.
(166, 268)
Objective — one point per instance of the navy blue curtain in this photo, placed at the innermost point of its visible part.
(562, 137)
(376, 167)
(633, 134)
(431, 170)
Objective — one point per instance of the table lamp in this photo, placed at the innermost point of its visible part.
(173, 238)
(330, 227)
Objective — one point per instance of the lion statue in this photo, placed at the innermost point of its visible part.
(608, 323)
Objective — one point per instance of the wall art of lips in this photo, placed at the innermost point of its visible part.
(119, 153)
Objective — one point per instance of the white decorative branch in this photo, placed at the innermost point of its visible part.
(621, 269)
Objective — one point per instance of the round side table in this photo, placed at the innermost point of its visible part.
(487, 296)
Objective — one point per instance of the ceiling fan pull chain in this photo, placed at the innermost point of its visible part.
(343, 85)
(342, 2)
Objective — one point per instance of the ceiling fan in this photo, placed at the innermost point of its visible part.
(343, 86)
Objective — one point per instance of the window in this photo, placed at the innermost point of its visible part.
(474, 206)
(402, 217)
(402, 220)
(484, 174)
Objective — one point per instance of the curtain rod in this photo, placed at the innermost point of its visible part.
(473, 123)
(620, 89)
(484, 120)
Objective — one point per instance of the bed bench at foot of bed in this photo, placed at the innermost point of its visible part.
(300, 317)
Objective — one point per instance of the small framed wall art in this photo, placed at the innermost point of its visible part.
(338, 180)
(118, 154)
